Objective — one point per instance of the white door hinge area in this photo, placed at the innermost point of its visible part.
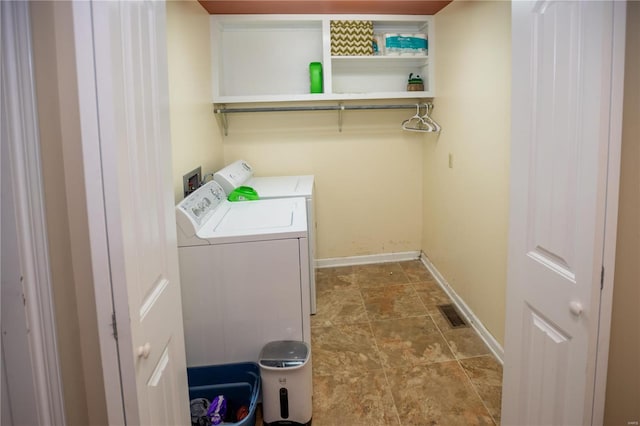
(114, 325)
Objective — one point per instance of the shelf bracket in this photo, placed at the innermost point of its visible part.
(340, 111)
(221, 111)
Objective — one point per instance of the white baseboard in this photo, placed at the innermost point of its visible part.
(371, 258)
(489, 340)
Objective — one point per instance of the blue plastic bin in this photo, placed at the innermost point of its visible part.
(239, 383)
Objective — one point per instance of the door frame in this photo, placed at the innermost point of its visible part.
(116, 401)
(21, 121)
(611, 212)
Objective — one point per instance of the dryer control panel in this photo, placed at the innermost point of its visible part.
(234, 175)
(194, 210)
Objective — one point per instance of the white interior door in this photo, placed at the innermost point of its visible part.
(563, 55)
(131, 94)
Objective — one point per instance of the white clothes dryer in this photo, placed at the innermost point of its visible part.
(244, 270)
(240, 173)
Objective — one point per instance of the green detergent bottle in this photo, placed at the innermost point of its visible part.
(315, 75)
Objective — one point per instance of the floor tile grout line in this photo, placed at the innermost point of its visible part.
(379, 353)
(384, 285)
(475, 389)
(424, 305)
(454, 353)
(364, 304)
(394, 263)
(401, 318)
(386, 377)
(489, 354)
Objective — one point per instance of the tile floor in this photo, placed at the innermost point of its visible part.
(383, 354)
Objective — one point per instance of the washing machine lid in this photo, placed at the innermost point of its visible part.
(259, 220)
(241, 173)
(282, 186)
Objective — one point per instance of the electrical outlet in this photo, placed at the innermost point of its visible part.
(192, 180)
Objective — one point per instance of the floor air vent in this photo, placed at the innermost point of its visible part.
(452, 315)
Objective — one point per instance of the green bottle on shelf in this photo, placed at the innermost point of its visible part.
(315, 75)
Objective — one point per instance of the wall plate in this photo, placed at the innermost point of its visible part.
(191, 181)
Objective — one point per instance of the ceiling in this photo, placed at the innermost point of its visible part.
(396, 7)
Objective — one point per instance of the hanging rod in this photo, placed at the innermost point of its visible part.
(338, 107)
(223, 110)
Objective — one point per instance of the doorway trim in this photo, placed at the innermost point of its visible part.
(611, 215)
(20, 117)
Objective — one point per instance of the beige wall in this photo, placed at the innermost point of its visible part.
(623, 382)
(76, 322)
(466, 206)
(378, 211)
(368, 177)
(195, 137)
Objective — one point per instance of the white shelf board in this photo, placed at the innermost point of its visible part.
(323, 97)
(382, 58)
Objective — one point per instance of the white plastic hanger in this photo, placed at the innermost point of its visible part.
(427, 118)
(417, 122)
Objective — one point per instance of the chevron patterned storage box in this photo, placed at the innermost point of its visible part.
(351, 38)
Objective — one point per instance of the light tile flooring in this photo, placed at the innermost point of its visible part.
(383, 354)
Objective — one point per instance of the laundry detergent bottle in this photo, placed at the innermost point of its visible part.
(315, 75)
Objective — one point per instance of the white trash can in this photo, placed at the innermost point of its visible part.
(285, 369)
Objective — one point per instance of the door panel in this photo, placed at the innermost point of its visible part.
(545, 364)
(132, 93)
(554, 168)
(562, 58)
(161, 389)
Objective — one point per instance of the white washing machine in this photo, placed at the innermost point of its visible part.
(244, 270)
(241, 173)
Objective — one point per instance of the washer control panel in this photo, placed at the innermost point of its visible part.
(194, 210)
